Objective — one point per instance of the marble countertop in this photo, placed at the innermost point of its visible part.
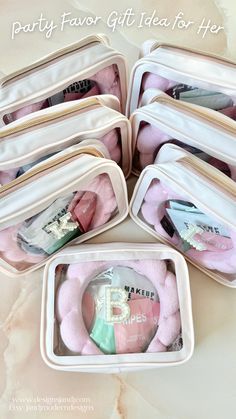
(202, 388)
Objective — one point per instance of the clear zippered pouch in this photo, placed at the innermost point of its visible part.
(87, 68)
(203, 132)
(39, 135)
(185, 75)
(73, 196)
(190, 205)
(116, 307)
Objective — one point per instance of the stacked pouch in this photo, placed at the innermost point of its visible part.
(185, 202)
(184, 75)
(87, 68)
(207, 134)
(72, 196)
(43, 133)
(116, 307)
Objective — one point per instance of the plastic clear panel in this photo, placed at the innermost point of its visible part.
(202, 238)
(105, 81)
(116, 307)
(191, 94)
(73, 214)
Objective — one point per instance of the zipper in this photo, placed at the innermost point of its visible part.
(210, 117)
(6, 189)
(191, 51)
(152, 59)
(41, 119)
(53, 56)
(139, 247)
(210, 173)
(149, 60)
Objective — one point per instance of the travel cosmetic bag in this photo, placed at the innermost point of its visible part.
(39, 135)
(72, 196)
(116, 307)
(209, 135)
(185, 202)
(86, 68)
(184, 74)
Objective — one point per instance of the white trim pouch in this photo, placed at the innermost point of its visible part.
(201, 131)
(185, 202)
(48, 131)
(184, 74)
(86, 68)
(119, 307)
(72, 196)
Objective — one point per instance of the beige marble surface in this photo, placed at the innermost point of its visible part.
(205, 386)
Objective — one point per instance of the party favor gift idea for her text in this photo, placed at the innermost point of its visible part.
(73, 195)
(87, 68)
(116, 307)
(209, 135)
(39, 135)
(184, 74)
(185, 202)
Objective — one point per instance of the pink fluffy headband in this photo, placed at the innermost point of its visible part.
(69, 305)
(213, 257)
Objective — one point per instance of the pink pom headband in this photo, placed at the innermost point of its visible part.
(153, 211)
(69, 300)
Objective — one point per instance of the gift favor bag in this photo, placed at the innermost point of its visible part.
(184, 74)
(189, 204)
(87, 68)
(39, 135)
(72, 196)
(116, 307)
(209, 135)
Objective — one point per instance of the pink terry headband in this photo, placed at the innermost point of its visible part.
(153, 211)
(69, 299)
(92, 206)
(111, 140)
(150, 139)
(105, 81)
